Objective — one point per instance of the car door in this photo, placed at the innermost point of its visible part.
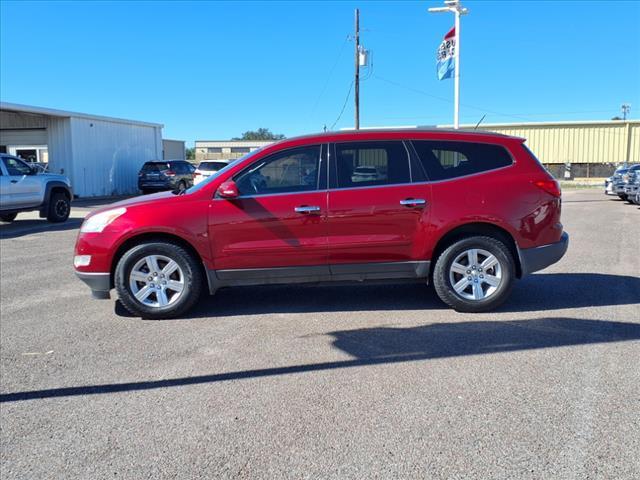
(378, 218)
(5, 196)
(24, 186)
(278, 220)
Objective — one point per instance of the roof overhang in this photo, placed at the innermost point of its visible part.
(50, 112)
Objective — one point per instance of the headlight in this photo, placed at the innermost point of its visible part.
(98, 222)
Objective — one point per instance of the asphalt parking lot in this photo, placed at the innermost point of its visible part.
(327, 382)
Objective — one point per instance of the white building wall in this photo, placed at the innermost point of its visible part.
(108, 155)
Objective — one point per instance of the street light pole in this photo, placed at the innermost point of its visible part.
(457, 9)
(357, 73)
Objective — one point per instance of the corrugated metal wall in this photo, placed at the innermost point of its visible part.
(605, 142)
(108, 155)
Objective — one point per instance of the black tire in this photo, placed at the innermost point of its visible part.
(146, 191)
(9, 217)
(59, 208)
(623, 196)
(444, 287)
(191, 273)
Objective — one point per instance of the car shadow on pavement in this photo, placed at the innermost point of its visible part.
(538, 292)
(385, 345)
(20, 228)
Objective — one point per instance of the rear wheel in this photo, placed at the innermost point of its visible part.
(475, 274)
(158, 280)
(9, 217)
(59, 208)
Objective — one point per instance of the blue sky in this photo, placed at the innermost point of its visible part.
(211, 70)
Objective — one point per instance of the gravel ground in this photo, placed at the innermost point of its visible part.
(327, 382)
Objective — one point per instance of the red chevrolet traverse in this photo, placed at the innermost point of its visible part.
(468, 212)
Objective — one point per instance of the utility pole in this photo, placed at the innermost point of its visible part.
(455, 7)
(357, 79)
(625, 110)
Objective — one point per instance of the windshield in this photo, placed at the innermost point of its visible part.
(215, 175)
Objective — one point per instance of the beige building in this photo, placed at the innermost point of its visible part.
(225, 149)
(568, 149)
(577, 149)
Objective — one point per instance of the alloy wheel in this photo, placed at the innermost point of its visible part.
(156, 281)
(475, 274)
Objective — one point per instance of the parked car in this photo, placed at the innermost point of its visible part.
(621, 178)
(469, 212)
(207, 168)
(165, 175)
(24, 188)
(365, 174)
(632, 187)
(609, 187)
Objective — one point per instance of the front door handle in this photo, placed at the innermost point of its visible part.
(307, 209)
(413, 202)
(14, 181)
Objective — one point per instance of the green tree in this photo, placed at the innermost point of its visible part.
(260, 134)
(190, 153)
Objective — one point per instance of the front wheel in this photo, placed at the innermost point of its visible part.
(9, 217)
(475, 274)
(59, 208)
(158, 280)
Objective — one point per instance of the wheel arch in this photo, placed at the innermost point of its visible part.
(478, 228)
(154, 236)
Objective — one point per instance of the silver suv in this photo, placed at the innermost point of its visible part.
(23, 188)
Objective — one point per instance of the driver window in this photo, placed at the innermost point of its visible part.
(16, 167)
(292, 171)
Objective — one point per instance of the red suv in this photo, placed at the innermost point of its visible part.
(468, 211)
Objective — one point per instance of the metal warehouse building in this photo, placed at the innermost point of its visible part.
(100, 155)
(578, 149)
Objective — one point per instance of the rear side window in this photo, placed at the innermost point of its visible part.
(212, 166)
(443, 160)
(364, 164)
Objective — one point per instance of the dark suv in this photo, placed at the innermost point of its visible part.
(165, 175)
(469, 212)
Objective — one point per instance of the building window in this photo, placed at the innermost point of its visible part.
(240, 149)
(214, 150)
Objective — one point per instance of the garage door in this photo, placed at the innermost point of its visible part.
(36, 136)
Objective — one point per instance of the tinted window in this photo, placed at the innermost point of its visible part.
(153, 167)
(294, 170)
(443, 160)
(240, 149)
(211, 166)
(16, 167)
(371, 163)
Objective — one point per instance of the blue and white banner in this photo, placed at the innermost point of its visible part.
(446, 55)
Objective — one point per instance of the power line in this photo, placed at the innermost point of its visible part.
(329, 75)
(344, 105)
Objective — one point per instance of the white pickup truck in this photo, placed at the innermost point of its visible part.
(23, 188)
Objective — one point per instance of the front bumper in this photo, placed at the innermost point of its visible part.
(99, 283)
(537, 258)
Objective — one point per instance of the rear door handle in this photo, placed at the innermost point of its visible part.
(413, 202)
(307, 209)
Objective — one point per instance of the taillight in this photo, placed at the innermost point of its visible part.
(169, 173)
(551, 186)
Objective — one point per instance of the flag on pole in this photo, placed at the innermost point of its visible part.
(445, 55)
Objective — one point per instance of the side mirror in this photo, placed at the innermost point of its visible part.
(228, 190)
